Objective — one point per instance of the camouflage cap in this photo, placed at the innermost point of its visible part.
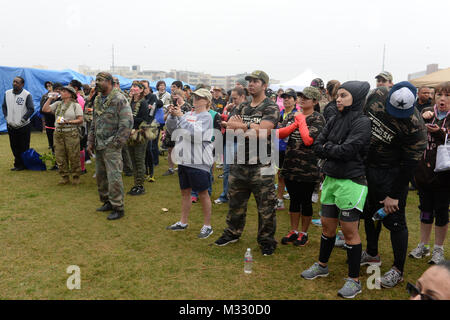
(317, 83)
(203, 93)
(289, 93)
(138, 84)
(105, 76)
(385, 75)
(311, 93)
(258, 74)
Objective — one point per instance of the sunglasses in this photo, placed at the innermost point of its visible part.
(414, 292)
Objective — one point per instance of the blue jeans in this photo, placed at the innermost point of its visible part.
(226, 173)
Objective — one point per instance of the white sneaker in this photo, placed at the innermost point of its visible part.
(315, 197)
(88, 162)
(205, 232)
(287, 196)
(280, 204)
(391, 278)
(437, 256)
(420, 251)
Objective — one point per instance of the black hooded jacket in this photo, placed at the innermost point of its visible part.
(345, 140)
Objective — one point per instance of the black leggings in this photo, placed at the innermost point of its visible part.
(300, 193)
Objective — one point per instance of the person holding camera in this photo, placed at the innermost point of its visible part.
(434, 187)
(69, 116)
(193, 132)
(178, 101)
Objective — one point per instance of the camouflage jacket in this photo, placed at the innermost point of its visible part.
(394, 142)
(112, 121)
(265, 111)
(300, 162)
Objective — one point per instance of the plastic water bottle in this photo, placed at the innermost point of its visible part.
(379, 215)
(248, 261)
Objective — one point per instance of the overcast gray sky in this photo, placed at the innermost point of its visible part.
(337, 39)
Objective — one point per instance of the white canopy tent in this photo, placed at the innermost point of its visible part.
(298, 83)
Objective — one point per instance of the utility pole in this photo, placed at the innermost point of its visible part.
(112, 67)
(384, 56)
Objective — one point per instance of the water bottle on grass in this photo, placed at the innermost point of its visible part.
(248, 261)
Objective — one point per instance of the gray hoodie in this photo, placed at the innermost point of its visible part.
(193, 134)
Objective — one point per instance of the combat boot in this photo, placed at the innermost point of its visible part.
(106, 207)
(75, 180)
(64, 180)
(116, 214)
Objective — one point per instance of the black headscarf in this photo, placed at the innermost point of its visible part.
(359, 91)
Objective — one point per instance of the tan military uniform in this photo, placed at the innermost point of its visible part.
(67, 139)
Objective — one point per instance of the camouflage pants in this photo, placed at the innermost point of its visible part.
(67, 152)
(108, 168)
(137, 155)
(244, 180)
(127, 164)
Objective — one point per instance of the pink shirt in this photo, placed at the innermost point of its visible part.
(80, 101)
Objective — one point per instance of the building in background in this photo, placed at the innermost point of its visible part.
(191, 77)
(431, 68)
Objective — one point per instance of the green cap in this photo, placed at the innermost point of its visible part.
(311, 93)
(203, 93)
(385, 75)
(258, 74)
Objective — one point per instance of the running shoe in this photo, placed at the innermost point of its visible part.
(220, 201)
(350, 289)
(437, 256)
(340, 241)
(315, 197)
(177, 227)
(290, 237)
(367, 259)
(280, 204)
(168, 172)
(316, 270)
(420, 251)
(391, 278)
(302, 240)
(225, 240)
(205, 232)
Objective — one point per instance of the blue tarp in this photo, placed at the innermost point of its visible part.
(35, 79)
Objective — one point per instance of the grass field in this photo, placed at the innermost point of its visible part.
(45, 228)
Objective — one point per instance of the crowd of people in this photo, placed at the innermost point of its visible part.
(359, 148)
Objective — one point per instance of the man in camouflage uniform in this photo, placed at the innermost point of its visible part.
(318, 83)
(111, 127)
(398, 141)
(255, 118)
